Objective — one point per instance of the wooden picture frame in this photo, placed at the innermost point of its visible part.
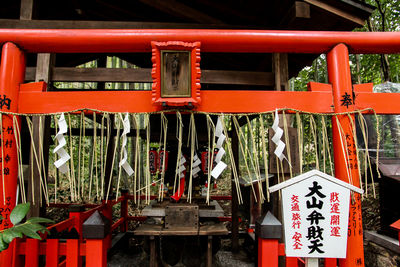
(176, 74)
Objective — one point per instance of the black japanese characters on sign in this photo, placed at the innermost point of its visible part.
(347, 100)
(5, 213)
(315, 231)
(5, 101)
(8, 130)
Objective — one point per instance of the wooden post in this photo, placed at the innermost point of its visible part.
(124, 210)
(52, 252)
(235, 202)
(107, 212)
(268, 252)
(268, 232)
(75, 211)
(12, 73)
(96, 253)
(209, 251)
(73, 257)
(343, 145)
(330, 262)
(153, 252)
(312, 262)
(292, 262)
(32, 252)
(41, 135)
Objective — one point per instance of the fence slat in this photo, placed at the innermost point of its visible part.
(52, 252)
(73, 258)
(32, 253)
(96, 253)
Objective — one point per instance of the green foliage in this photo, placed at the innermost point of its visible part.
(28, 228)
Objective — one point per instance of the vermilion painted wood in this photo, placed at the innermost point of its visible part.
(12, 72)
(32, 253)
(96, 253)
(330, 262)
(73, 257)
(140, 101)
(195, 73)
(292, 262)
(396, 226)
(52, 252)
(268, 252)
(252, 41)
(340, 78)
(17, 258)
(381, 103)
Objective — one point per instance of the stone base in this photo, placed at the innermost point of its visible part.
(381, 251)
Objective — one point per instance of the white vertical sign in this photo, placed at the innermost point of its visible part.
(315, 215)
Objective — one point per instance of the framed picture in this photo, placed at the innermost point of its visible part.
(176, 74)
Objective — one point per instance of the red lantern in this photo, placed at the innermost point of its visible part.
(161, 155)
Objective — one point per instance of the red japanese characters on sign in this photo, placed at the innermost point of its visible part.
(296, 222)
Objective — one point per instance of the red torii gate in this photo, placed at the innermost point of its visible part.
(322, 98)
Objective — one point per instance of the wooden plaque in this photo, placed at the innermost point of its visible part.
(176, 73)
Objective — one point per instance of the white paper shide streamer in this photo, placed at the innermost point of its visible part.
(220, 165)
(196, 166)
(61, 163)
(280, 145)
(182, 167)
(124, 161)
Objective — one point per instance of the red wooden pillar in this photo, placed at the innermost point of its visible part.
(107, 212)
(73, 258)
(12, 74)
(32, 252)
(52, 252)
(268, 252)
(268, 232)
(344, 149)
(96, 252)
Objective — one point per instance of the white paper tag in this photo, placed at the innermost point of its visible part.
(219, 155)
(216, 172)
(218, 127)
(220, 140)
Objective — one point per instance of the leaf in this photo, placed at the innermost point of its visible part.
(19, 212)
(27, 230)
(10, 234)
(3, 245)
(39, 220)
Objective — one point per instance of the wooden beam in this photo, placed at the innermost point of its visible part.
(26, 10)
(227, 101)
(236, 77)
(144, 75)
(299, 10)
(338, 12)
(177, 9)
(83, 24)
